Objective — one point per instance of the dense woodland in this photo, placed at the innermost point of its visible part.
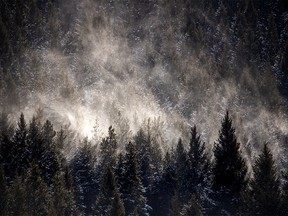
(37, 179)
(44, 170)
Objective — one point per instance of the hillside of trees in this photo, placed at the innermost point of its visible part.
(37, 179)
(163, 73)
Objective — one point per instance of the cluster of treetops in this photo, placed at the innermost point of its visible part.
(36, 178)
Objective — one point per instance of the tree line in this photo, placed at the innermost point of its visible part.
(37, 178)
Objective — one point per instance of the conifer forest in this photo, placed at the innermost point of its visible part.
(143, 107)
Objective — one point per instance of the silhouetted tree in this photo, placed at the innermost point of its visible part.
(198, 161)
(229, 171)
(182, 171)
(49, 160)
(3, 193)
(263, 195)
(130, 183)
(109, 201)
(7, 155)
(108, 148)
(38, 199)
(230, 168)
(165, 188)
(17, 198)
(20, 146)
(83, 172)
(60, 195)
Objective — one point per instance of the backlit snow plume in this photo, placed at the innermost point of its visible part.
(129, 66)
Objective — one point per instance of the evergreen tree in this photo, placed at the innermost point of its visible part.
(263, 195)
(20, 146)
(60, 195)
(38, 200)
(49, 160)
(164, 188)
(119, 168)
(131, 186)
(149, 159)
(109, 201)
(83, 172)
(198, 160)
(182, 171)
(230, 168)
(69, 191)
(7, 155)
(17, 199)
(108, 148)
(229, 171)
(34, 141)
(144, 149)
(3, 192)
(60, 139)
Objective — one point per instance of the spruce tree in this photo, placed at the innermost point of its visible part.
(108, 148)
(38, 199)
(144, 149)
(83, 172)
(17, 198)
(150, 161)
(164, 188)
(230, 168)
(3, 192)
(49, 160)
(182, 171)
(198, 160)
(34, 141)
(7, 156)
(20, 146)
(109, 201)
(130, 184)
(263, 195)
(60, 195)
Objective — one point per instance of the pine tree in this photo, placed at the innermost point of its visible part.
(164, 188)
(198, 160)
(17, 199)
(182, 171)
(71, 197)
(263, 196)
(83, 172)
(108, 148)
(49, 160)
(20, 146)
(149, 159)
(60, 195)
(60, 139)
(230, 168)
(131, 186)
(144, 149)
(38, 200)
(3, 192)
(109, 201)
(7, 155)
(34, 142)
